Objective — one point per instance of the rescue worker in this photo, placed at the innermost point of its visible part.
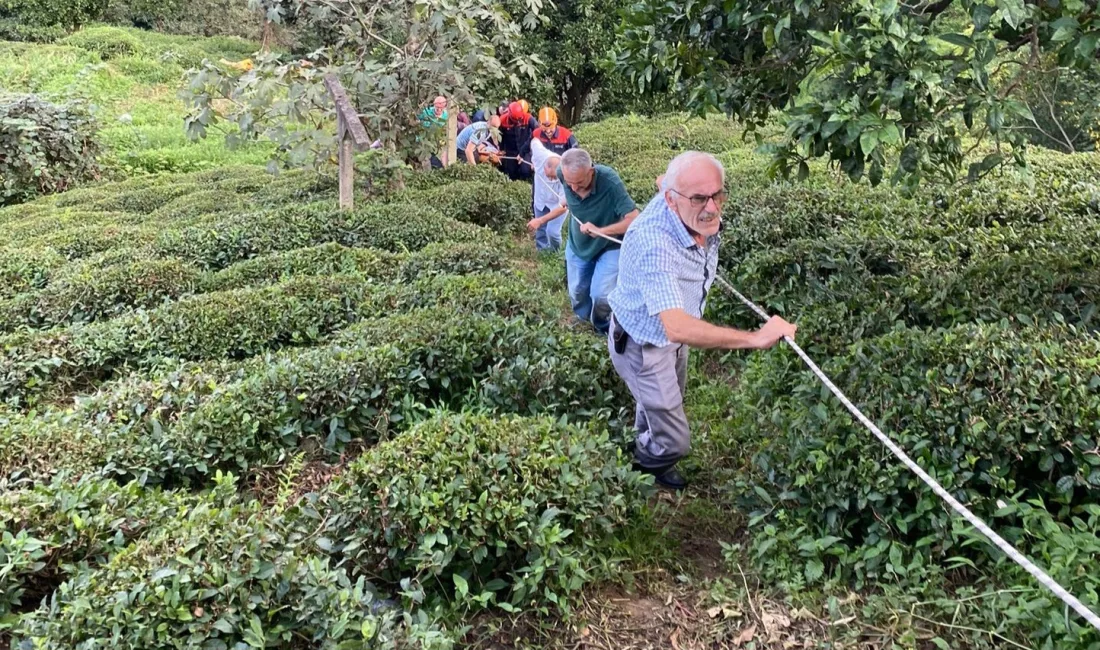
(554, 137)
(597, 197)
(515, 141)
(434, 120)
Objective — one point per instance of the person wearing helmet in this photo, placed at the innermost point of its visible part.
(515, 141)
(554, 137)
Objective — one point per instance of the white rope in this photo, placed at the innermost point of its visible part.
(1069, 599)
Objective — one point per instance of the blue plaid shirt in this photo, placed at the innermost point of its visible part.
(660, 267)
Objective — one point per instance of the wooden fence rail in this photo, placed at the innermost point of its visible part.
(352, 137)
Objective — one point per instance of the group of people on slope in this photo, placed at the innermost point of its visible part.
(649, 293)
(646, 294)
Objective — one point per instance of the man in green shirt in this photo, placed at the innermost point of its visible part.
(597, 197)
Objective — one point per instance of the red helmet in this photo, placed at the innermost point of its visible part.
(516, 112)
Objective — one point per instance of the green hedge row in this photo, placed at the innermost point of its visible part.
(91, 293)
(50, 531)
(225, 573)
(992, 412)
(484, 510)
(106, 286)
(373, 378)
(503, 207)
(230, 324)
(394, 227)
(843, 288)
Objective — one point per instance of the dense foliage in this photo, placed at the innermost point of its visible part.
(861, 81)
(392, 57)
(45, 20)
(162, 331)
(44, 147)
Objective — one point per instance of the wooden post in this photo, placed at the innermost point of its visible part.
(452, 137)
(350, 135)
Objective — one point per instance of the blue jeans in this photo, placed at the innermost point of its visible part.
(548, 236)
(589, 284)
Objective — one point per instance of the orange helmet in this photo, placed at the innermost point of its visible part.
(548, 118)
(526, 106)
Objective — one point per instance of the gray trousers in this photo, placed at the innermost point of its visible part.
(656, 377)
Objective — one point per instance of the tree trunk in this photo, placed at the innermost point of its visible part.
(267, 36)
(573, 98)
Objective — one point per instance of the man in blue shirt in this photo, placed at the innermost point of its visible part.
(669, 258)
(473, 137)
(596, 196)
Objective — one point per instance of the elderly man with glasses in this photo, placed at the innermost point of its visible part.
(668, 260)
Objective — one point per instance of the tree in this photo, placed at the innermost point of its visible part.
(392, 56)
(573, 40)
(861, 79)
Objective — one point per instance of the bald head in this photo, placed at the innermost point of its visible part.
(692, 165)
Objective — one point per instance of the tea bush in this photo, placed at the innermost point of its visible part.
(226, 573)
(54, 530)
(395, 228)
(367, 382)
(107, 42)
(504, 207)
(232, 324)
(509, 511)
(971, 404)
(325, 259)
(91, 293)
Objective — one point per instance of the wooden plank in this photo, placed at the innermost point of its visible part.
(451, 151)
(347, 111)
(347, 165)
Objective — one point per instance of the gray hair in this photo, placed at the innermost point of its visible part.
(576, 160)
(682, 162)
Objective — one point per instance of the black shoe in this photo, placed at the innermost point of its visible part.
(666, 477)
(670, 479)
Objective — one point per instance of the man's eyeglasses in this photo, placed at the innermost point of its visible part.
(701, 200)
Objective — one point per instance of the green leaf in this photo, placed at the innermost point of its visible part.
(461, 585)
(814, 570)
(868, 140)
(959, 40)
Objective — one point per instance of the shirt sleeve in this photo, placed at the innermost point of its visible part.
(623, 203)
(660, 289)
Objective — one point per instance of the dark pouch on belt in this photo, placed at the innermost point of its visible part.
(620, 340)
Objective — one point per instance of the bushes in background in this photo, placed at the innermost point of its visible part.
(46, 20)
(44, 147)
(107, 42)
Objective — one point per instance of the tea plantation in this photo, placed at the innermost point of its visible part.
(232, 415)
